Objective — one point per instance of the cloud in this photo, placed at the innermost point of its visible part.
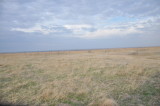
(110, 33)
(50, 29)
(82, 18)
(79, 29)
(81, 26)
(88, 31)
(143, 27)
(34, 29)
(80, 12)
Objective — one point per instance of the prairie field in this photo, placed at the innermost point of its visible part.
(106, 77)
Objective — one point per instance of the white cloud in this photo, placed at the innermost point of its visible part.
(36, 28)
(75, 27)
(122, 29)
(110, 33)
(88, 31)
(78, 28)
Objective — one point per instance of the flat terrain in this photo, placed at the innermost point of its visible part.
(111, 77)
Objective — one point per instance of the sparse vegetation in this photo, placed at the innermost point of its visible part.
(111, 77)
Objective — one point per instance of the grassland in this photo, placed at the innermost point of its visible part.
(112, 77)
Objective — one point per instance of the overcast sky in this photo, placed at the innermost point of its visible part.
(30, 25)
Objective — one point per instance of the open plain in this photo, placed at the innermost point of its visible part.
(106, 77)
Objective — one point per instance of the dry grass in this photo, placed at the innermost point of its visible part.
(125, 77)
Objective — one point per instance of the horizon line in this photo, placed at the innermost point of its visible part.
(60, 50)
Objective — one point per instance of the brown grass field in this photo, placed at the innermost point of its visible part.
(111, 77)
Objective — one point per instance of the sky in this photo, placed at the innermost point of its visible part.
(40, 25)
